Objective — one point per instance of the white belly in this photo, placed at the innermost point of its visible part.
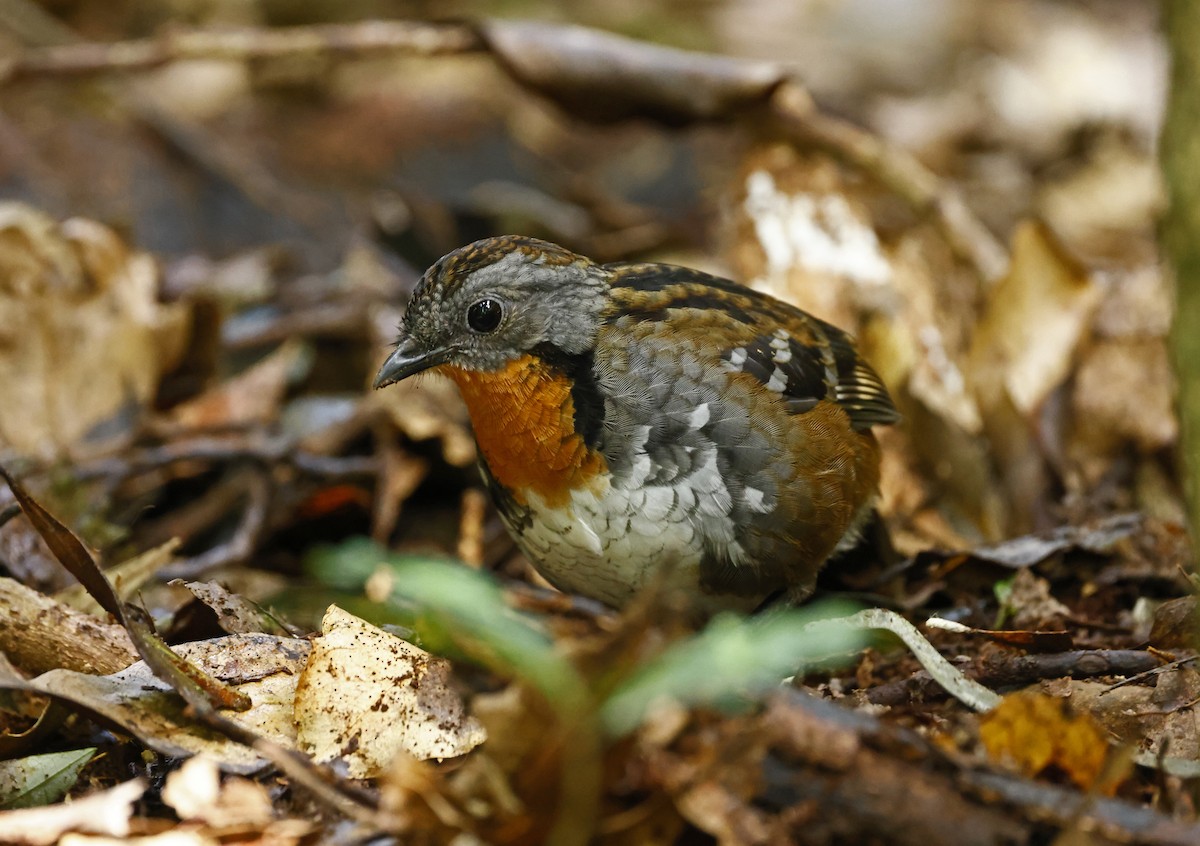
(609, 544)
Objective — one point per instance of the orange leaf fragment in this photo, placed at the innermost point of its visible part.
(1039, 735)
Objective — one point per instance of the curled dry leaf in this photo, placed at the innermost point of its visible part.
(196, 792)
(86, 338)
(366, 695)
(235, 614)
(1024, 348)
(1176, 624)
(605, 77)
(1032, 641)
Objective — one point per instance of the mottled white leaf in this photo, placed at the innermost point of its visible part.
(367, 695)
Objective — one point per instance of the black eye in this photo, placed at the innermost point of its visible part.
(484, 316)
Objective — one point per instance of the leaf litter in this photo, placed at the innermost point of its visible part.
(1030, 493)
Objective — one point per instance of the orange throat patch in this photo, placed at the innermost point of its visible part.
(524, 421)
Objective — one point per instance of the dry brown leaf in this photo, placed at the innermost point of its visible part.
(262, 667)
(1032, 604)
(1036, 733)
(235, 614)
(1024, 348)
(1033, 322)
(1124, 394)
(85, 336)
(1155, 719)
(253, 396)
(1176, 624)
(366, 695)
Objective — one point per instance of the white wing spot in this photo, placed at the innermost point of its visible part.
(754, 500)
(737, 357)
(778, 381)
(782, 356)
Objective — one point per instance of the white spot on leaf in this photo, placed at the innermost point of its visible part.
(819, 232)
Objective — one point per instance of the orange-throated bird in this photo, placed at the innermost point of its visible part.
(636, 416)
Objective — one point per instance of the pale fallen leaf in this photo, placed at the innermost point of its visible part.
(126, 577)
(195, 792)
(85, 338)
(1025, 346)
(1032, 324)
(262, 667)
(367, 695)
(106, 812)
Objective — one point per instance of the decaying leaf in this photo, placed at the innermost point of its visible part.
(1035, 733)
(261, 667)
(235, 614)
(365, 695)
(40, 634)
(85, 337)
(1158, 719)
(1098, 536)
(201, 691)
(1176, 624)
(1032, 605)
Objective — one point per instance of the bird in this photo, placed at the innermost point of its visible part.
(642, 423)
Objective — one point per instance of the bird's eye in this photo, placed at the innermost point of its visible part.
(484, 316)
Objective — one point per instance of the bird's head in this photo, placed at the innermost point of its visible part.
(495, 300)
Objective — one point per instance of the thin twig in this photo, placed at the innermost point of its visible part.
(85, 59)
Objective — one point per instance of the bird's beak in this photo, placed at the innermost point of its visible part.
(407, 360)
